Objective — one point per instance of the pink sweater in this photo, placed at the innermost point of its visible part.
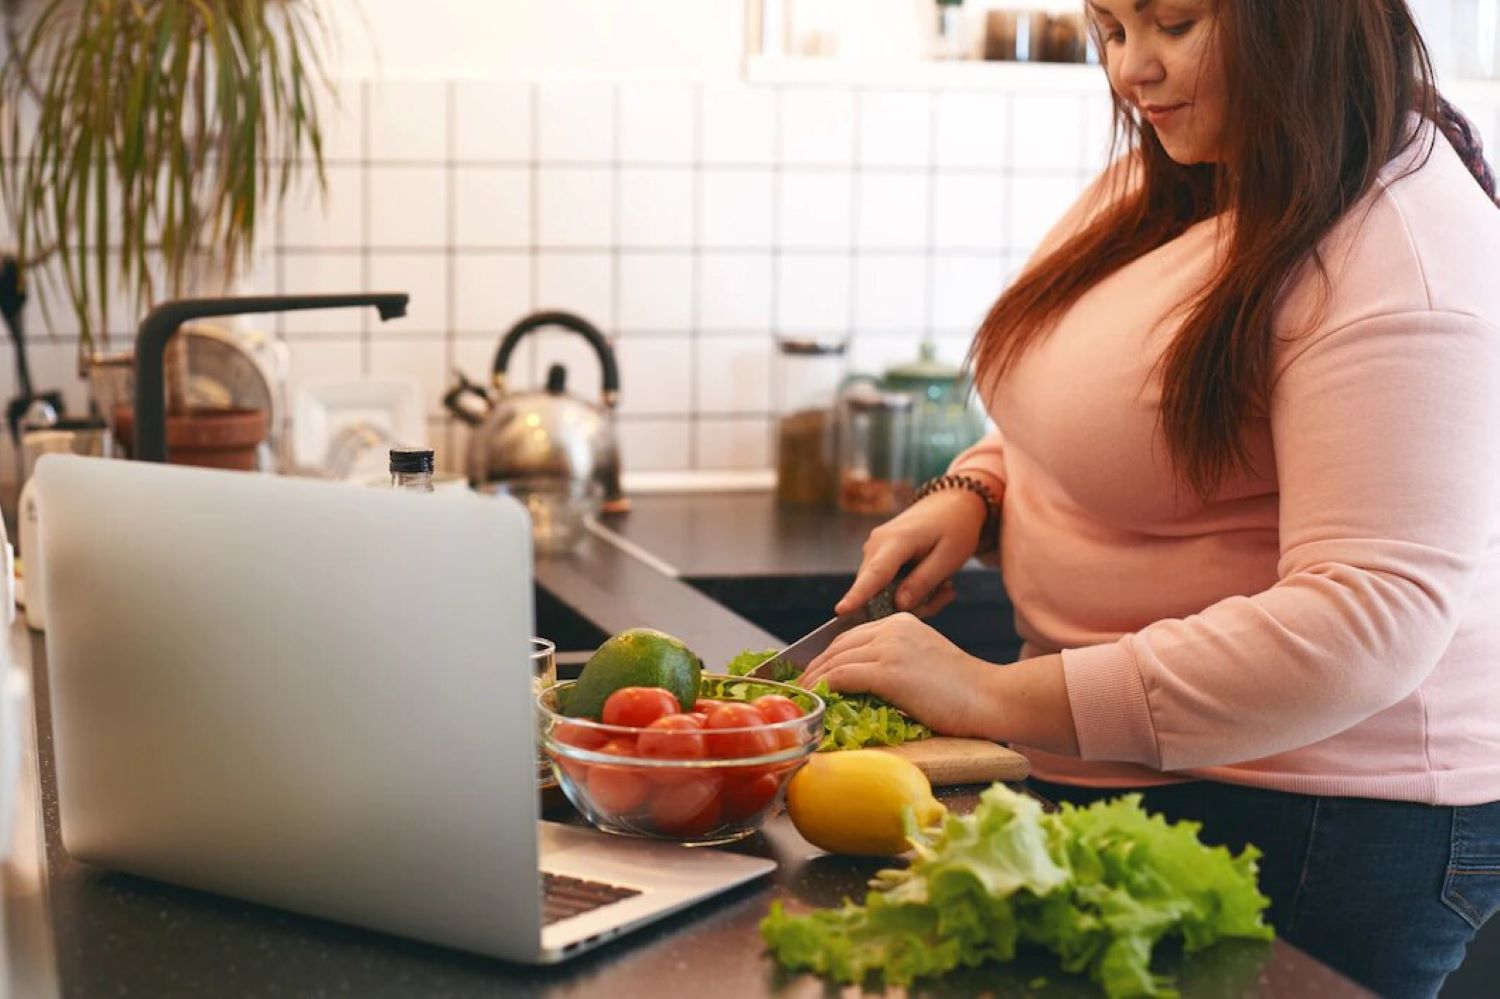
(1329, 624)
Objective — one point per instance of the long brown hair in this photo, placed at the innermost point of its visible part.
(1319, 95)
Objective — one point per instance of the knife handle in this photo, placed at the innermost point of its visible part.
(883, 604)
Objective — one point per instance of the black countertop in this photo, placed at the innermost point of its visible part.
(730, 571)
(119, 935)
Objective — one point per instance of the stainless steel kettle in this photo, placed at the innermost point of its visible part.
(546, 433)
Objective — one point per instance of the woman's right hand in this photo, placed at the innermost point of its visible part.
(937, 535)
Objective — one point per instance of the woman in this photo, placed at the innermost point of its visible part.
(1247, 475)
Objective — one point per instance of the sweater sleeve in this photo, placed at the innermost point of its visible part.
(986, 460)
(1387, 441)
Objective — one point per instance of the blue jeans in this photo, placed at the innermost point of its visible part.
(1387, 892)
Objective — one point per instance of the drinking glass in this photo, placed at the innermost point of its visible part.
(543, 675)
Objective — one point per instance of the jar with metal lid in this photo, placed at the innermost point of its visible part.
(808, 375)
(944, 421)
(876, 474)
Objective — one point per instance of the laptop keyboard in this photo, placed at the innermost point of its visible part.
(564, 897)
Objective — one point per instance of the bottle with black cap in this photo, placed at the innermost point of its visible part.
(411, 468)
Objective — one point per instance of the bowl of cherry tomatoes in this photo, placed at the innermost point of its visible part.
(710, 774)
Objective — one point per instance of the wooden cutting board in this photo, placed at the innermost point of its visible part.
(946, 760)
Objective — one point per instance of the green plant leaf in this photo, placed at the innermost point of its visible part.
(160, 119)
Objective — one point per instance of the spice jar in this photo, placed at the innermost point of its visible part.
(808, 376)
(876, 474)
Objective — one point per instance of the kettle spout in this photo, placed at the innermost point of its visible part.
(467, 401)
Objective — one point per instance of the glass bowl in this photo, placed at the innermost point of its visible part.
(721, 796)
(558, 508)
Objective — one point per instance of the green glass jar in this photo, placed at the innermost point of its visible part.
(944, 420)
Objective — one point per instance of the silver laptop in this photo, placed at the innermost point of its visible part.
(317, 696)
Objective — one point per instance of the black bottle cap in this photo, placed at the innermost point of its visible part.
(411, 459)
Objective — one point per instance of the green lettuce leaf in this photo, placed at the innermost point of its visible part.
(1099, 887)
(851, 721)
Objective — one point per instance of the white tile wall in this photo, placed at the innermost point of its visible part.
(492, 206)
(691, 222)
(890, 292)
(739, 125)
(655, 445)
(737, 209)
(969, 211)
(656, 206)
(576, 282)
(655, 376)
(575, 206)
(408, 121)
(490, 291)
(491, 122)
(815, 208)
(311, 273)
(973, 129)
(817, 127)
(733, 444)
(733, 374)
(894, 210)
(895, 129)
(575, 122)
(734, 291)
(1048, 132)
(408, 206)
(963, 288)
(425, 278)
(330, 219)
(814, 295)
(657, 124)
(655, 293)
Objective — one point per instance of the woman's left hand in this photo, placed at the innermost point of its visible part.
(905, 661)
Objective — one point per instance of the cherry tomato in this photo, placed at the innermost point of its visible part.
(691, 808)
(744, 797)
(582, 736)
(703, 705)
(637, 707)
(617, 790)
(620, 745)
(775, 708)
(754, 740)
(673, 737)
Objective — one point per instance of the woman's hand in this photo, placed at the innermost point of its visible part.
(905, 661)
(938, 534)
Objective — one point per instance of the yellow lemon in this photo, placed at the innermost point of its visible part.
(853, 801)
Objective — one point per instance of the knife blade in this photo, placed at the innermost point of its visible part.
(795, 658)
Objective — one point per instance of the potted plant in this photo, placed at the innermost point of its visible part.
(142, 145)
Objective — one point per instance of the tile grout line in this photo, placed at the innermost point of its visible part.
(450, 271)
(857, 98)
(534, 222)
(366, 212)
(695, 306)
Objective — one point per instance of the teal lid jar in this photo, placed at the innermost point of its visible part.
(944, 420)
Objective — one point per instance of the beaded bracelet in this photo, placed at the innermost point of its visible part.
(989, 533)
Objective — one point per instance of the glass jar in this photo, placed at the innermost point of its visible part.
(875, 472)
(944, 423)
(808, 375)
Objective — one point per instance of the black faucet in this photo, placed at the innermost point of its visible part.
(165, 320)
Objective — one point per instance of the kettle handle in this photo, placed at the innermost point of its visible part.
(568, 321)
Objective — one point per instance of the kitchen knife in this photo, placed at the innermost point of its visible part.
(795, 658)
